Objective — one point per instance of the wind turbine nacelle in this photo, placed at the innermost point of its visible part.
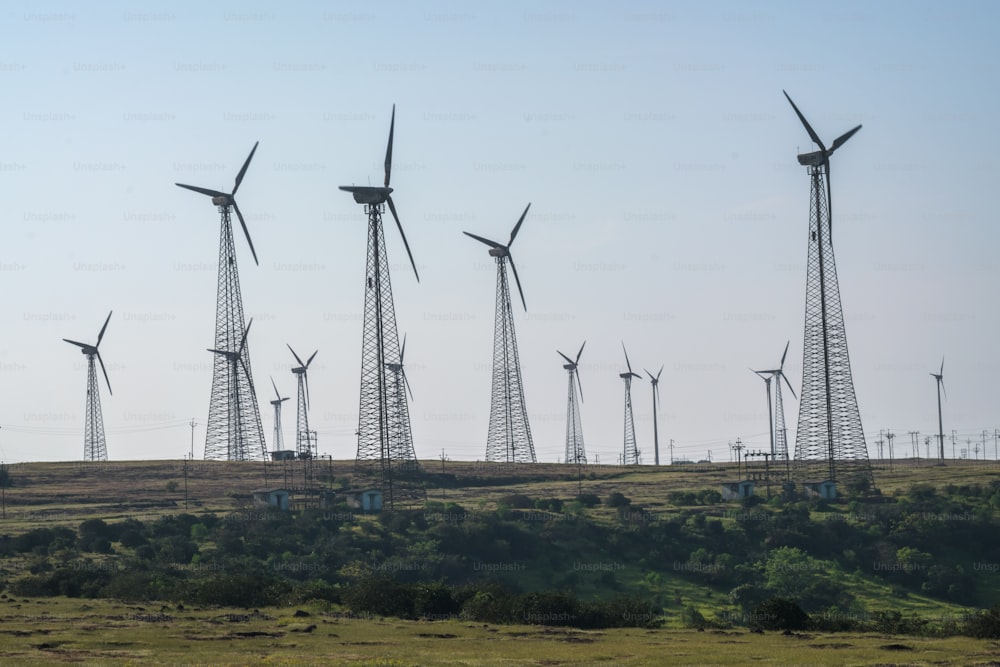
(370, 195)
(499, 252)
(814, 159)
(569, 367)
(221, 200)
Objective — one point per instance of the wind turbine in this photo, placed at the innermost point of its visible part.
(243, 428)
(631, 454)
(939, 376)
(279, 441)
(655, 381)
(830, 439)
(303, 441)
(95, 446)
(575, 452)
(231, 403)
(509, 437)
(400, 442)
(779, 442)
(380, 339)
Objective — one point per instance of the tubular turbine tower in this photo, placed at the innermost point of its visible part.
(234, 431)
(575, 452)
(377, 413)
(95, 446)
(509, 437)
(829, 440)
(279, 440)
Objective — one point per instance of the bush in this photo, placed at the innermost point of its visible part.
(588, 499)
(616, 499)
(692, 618)
(778, 614)
(517, 501)
(984, 624)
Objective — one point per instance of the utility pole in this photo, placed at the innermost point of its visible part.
(880, 442)
(444, 493)
(996, 435)
(952, 443)
(738, 448)
(914, 443)
(985, 435)
(671, 451)
(890, 436)
(193, 424)
(927, 446)
(186, 483)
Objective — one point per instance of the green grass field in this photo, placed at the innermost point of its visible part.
(71, 631)
(106, 632)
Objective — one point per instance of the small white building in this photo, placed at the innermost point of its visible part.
(283, 455)
(366, 500)
(826, 489)
(737, 490)
(276, 498)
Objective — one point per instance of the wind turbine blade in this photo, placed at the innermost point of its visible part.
(651, 378)
(204, 191)
(101, 335)
(406, 383)
(276, 394)
(783, 354)
(243, 170)
(789, 386)
(943, 390)
(518, 281)
(305, 379)
(492, 244)
(75, 343)
(579, 353)
(246, 232)
(246, 374)
(106, 380)
(656, 390)
(310, 360)
(842, 139)
(568, 360)
(812, 133)
(579, 384)
(402, 352)
(388, 148)
(517, 227)
(297, 356)
(212, 349)
(941, 372)
(658, 373)
(626, 358)
(245, 333)
(392, 207)
(829, 203)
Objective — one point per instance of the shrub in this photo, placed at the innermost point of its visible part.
(616, 499)
(778, 614)
(591, 499)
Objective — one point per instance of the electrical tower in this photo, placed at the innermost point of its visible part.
(303, 444)
(509, 437)
(830, 441)
(575, 452)
(630, 454)
(376, 463)
(95, 446)
(234, 431)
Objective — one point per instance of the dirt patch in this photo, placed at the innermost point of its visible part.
(896, 647)
(437, 636)
(832, 645)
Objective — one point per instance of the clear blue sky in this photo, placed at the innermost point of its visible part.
(651, 138)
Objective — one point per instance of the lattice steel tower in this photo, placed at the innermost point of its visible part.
(234, 431)
(303, 441)
(376, 460)
(829, 440)
(776, 417)
(400, 438)
(575, 452)
(630, 453)
(95, 446)
(509, 437)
